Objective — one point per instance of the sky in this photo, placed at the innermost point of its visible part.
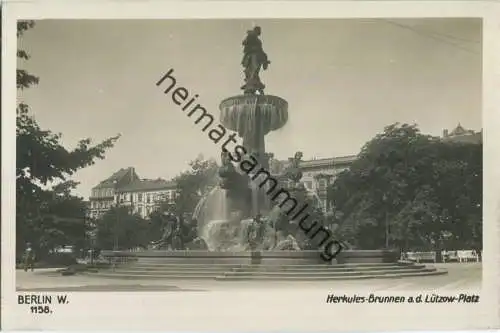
(344, 80)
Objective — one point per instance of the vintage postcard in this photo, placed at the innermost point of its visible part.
(250, 166)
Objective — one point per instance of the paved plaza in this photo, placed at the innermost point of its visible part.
(464, 276)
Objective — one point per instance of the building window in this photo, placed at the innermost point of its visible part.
(148, 198)
(322, 184)
(139, 197)
(140, 210)
(308, 185)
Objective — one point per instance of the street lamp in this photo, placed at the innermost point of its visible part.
(386, 231)
(115, 243)
(117, 221)
(384, 199)
(92, 249)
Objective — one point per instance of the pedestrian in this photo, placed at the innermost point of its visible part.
(29, 258)
(255, 239)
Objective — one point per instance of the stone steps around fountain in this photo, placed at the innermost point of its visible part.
(160, 270)
(332, 268)
(204, 276)
(167, 263)
(264, 273)
(264, 268)
(179, 266)
(391, 275)
(165, 275)
(284, 265)
(229, 261)
(245, 272)
(327, 273)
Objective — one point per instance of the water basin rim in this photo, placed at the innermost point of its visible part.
(243, 97)
(236, 254)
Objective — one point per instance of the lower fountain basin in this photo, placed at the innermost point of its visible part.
(263, 257)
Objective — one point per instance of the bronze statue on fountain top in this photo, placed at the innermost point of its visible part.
(254, 58)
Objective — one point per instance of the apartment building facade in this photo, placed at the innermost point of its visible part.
(317, 174)
(146, 195)
(102, 196)
(126, 188)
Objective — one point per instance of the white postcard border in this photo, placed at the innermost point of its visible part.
(239, 309)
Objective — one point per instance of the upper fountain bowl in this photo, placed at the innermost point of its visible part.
(245, 113)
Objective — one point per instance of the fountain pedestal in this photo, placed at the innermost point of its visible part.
(253, 117)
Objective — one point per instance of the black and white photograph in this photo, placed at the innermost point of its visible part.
(245, 165)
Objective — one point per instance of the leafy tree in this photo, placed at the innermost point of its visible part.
(193, 184)
(47, 215)
(119, 229)
(419, 190)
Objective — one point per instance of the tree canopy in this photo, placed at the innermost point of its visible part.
(47, 214)
(193, 184)
(120, 229)
(422, 191)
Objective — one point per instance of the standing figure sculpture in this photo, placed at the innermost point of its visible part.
(293, 171)
(227, 172)
(235, 184)
(254, 58)
(170, 234)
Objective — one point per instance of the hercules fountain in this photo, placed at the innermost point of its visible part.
(242, 232)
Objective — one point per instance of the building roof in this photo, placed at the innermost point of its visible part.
(276, 166)
(332, 161)
(461, 134)
(459, 130)
(117, 176)
(325, 162)
(465, 138)
(146, 185)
